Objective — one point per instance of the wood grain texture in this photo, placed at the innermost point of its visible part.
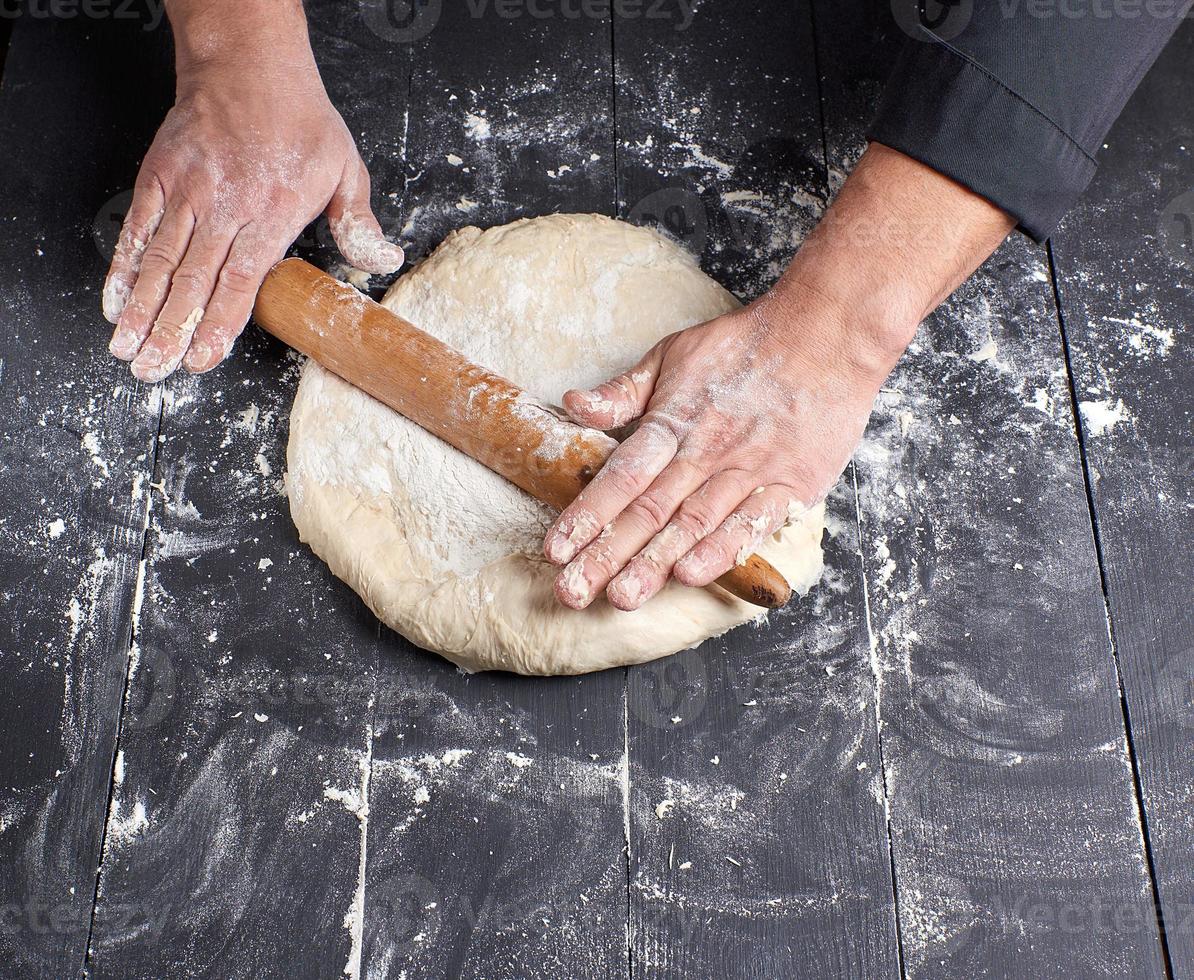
(1125, 274)
(267, 776)
(758, 845)
(1018, 848)
(75, 443)
(496, 841)
(238, 804)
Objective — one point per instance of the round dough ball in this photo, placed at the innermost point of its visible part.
(447, 552)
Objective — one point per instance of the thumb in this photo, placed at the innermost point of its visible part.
(355, 229)
(620, 400)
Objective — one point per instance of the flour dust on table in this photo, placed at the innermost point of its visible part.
(447, 552)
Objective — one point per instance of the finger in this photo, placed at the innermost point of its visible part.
(627, 473)
(161, 257)
(696, 518)
(357, 232)
(190, 292)
(738, 537)
(618, 401)
(626, 535)
(252, 255)
(140, 224)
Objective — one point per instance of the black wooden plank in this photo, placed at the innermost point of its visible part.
(5, 37)
(758, 840)
(1125, 273)
(495, 837)
(241, 780)
(1017, 843)
(76, 443)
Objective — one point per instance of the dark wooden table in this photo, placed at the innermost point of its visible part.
(967, 753)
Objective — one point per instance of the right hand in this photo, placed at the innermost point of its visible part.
(243, 162)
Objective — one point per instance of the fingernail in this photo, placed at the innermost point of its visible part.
(397, 256)
(150, 366)
(628, 591)
(115, 295)
(689, 567)
(572, 586)
(364, 248)
(124, 344)
(558, 549)
(198, 358)
(565, 542)
(150, 357)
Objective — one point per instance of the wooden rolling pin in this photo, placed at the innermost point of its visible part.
(481, 414)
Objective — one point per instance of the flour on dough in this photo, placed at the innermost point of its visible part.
(447, 552)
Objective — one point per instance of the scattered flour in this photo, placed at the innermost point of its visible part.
(477, 126)
(1100, 417)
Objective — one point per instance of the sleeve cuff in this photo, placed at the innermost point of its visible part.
(945, 110)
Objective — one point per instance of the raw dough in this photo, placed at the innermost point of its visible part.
(445, 551)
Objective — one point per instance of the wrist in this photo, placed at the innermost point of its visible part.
(229, 43)
(897, 241)
(862, 335)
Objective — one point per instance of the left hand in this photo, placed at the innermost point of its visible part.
(746, 422)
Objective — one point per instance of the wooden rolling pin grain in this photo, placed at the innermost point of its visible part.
(481, 414)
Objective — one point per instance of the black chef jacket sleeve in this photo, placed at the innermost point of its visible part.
(1013, 98)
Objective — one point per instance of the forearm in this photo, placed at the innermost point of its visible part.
(215, 36)
(897, 241)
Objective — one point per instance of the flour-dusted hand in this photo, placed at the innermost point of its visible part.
(251, 153)
(747, 421)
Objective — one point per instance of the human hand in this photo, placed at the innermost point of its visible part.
(243, 162)
(745, 422)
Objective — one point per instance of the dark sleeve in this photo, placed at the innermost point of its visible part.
(1013, 98)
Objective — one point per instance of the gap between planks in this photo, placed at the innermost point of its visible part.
(1104, 585)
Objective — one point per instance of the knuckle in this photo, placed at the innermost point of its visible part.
(694, 519)
(648, 511)
(167, 332)
(161, 256)
(661, 427)
(193, 279)
(239, 279)
(602, 561)
(283, 198)
(718, 552)
(648, 564)
(619, 480)
(148, 184)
